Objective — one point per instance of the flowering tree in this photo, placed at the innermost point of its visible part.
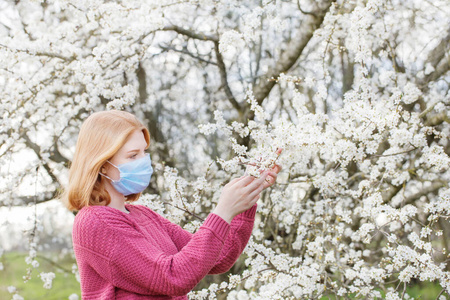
(355, 92)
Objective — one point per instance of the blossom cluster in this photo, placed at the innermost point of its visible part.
(360, 108)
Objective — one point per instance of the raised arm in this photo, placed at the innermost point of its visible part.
(238, 236)
(238, 197)
(240, 231)
(241, 224)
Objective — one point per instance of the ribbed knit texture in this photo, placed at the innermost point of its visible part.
(142, 255)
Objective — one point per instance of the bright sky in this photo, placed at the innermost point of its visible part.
(52, 215)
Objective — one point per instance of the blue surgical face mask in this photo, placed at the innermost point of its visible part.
(134, 176)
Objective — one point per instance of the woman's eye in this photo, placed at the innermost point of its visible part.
(133, 156)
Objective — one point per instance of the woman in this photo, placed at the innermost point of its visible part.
(126, 251)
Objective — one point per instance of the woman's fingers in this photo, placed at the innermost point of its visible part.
(272, 174)
(272, 177)
(244, 179)
(270, 180)
(276, 168)
(247, 180)
(256, 192)
(256, 183)
(233, 181)
(255, 199)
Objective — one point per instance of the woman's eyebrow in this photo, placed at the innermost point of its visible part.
(134, 150)
(137, 150)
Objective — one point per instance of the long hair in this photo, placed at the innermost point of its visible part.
(101, 136)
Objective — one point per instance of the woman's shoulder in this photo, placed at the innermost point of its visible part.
(147, 212)
(100, 216)
(97, 228)
(138, 209)
(94, 224)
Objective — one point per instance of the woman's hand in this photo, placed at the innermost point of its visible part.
(272, 177)
(270, 180)
(240, 194)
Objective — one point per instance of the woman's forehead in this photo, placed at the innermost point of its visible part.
(135, 141)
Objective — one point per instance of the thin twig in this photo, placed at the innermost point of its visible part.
(392, 154)
(185, 210)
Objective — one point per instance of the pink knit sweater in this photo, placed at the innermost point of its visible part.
(142, 255)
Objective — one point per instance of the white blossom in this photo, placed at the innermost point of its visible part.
(73, 297)
(357, 100)
(47, 278)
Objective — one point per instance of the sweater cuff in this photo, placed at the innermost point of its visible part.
(217, 225)
(250, 213)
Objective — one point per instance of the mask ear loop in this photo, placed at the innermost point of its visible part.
(107, 175)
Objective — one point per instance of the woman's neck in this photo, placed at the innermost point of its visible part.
(117, 199)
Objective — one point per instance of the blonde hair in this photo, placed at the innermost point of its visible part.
(101, 136)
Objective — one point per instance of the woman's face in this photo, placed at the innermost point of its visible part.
(134, 148)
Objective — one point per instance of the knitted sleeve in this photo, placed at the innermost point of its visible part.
(138, 266)
(240, 230)
(179, 236)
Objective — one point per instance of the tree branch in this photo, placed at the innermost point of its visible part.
(56, 156)
(54, 263)
(184, 51)
(437, 119)
(37, 151)
(152, 120)
(305, 12)
(220, 63)
(437, 58)
(288, 58)
(223, 77)
(432, 189)
(192, 34)
(25, 200)
(44, 54)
